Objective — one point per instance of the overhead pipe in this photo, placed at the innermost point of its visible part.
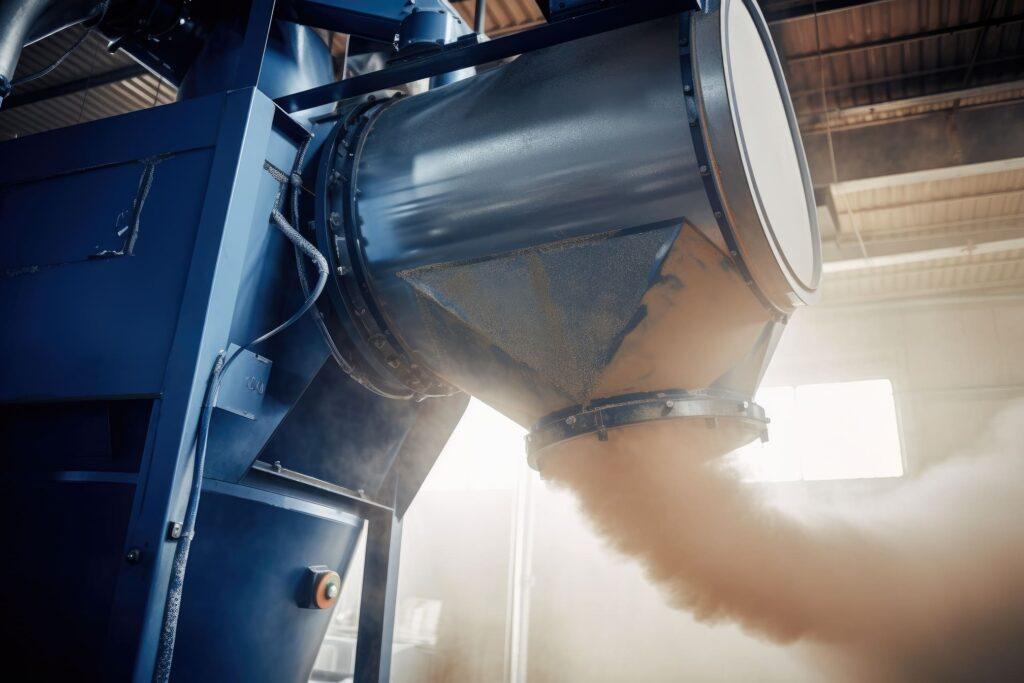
(25, 22)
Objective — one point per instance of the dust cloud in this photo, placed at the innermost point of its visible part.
(921, 583)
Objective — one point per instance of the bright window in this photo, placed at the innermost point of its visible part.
(485, 452)
(842, 430)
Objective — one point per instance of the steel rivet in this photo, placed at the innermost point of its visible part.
(670, 404)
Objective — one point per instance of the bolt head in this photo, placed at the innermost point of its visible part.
(332, 590)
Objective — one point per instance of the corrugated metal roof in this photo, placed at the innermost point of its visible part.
(988, 273)
(503, 16)
(90, 59)
(934, 206)
(965, 206)
(897, 63)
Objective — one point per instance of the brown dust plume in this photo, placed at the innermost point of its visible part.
(922, 583)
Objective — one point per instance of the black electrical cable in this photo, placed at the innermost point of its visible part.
(67, 53)
(172, 607)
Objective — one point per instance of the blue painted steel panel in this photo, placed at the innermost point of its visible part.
(166, 129)
(91, 326)
(245, 576)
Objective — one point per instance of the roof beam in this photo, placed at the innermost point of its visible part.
(934, 175)
(871, 114)
(920, 143)
(71, 87)
(815, 91)
(926, 255)
(807, 9)
(903, 40)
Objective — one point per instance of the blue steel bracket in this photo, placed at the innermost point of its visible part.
(244, 383)
(377, 19)
(557, 10)
(468, 52)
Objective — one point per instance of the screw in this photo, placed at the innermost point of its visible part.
(332, 590)
(670, 404)
(134, 556)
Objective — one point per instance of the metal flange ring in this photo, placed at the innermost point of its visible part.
(622, 411)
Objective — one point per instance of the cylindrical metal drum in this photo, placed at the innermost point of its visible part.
(596, 234)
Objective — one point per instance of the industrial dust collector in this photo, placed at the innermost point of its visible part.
(595, 235)
(240, 327)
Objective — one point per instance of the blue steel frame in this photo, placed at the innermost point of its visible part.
(204, 323)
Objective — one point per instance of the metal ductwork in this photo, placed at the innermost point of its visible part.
(592, 236)
(27, 21)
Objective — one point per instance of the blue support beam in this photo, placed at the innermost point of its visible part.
(470, 53)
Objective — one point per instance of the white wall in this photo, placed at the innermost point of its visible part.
(953, 366)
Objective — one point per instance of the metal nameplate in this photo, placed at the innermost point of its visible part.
(244, 383)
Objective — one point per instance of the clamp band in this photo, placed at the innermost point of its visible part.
(622, 411)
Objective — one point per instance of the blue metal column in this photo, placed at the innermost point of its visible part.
(379, 594)
(210, 294)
